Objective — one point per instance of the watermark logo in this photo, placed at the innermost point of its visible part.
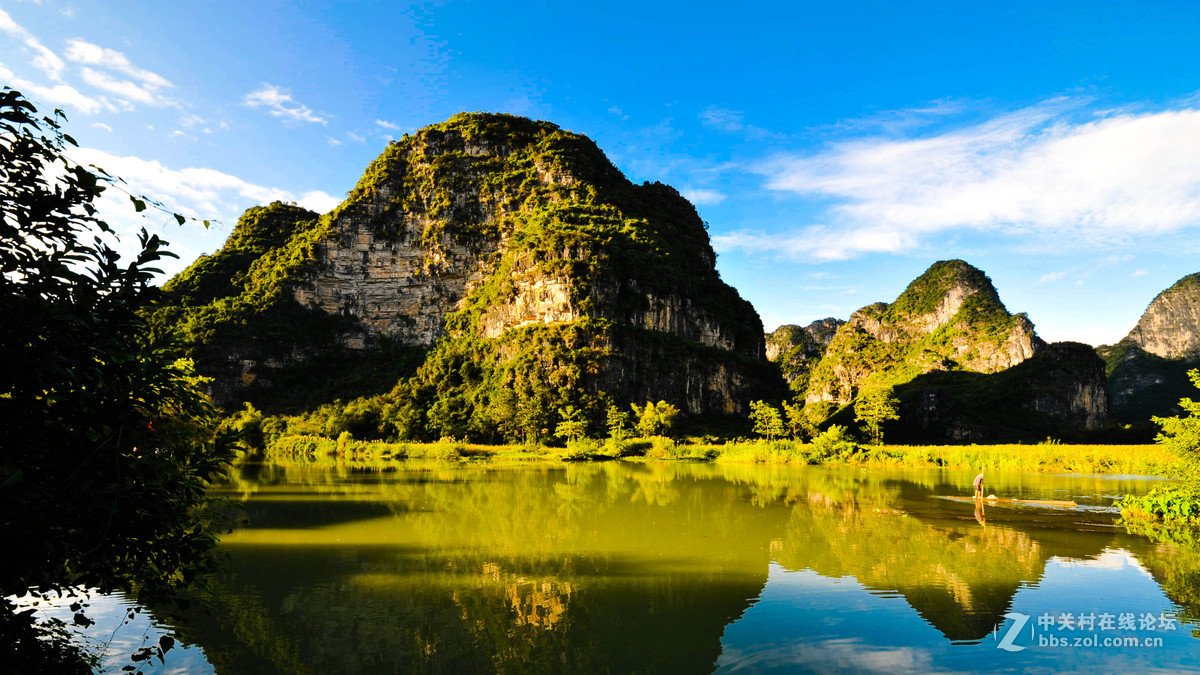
(1008, 644)
(1067, 629)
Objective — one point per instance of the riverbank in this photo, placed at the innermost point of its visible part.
(1146, 460)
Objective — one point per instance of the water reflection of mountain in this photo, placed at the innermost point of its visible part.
(607, 567)
(591, 569)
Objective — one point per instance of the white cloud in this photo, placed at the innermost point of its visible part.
(357, 138)
(817, 242)
(702, 197)
(1052, 276)
(1035, 171)
(89, 54)
(125, 89)
(279, 103)
(58, 94)
(43, 58)
(205, 194)
(333, 141)
(318, 201)
(1139, 273)
(102, 125)
(387, 125)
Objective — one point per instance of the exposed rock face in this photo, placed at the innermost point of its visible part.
(950, 318)
(1170, 327)
(527, 263)
(392, 284)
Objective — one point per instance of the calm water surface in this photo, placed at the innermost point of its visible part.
(616, 567)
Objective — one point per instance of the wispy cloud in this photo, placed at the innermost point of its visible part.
(102, 125)
(390, 126)
(89, 54)
(44, 59)
(1039, 171)
(199, 192)
(279, 103)
(704, 197)
(1139, 273)
(616, 110)
(126, 90)
(56, 94)
(733, 122)
(1052, 276)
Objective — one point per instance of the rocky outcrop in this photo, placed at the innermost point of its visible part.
(949, 318)
(392, 285)
(796, 348)
(1170, 327)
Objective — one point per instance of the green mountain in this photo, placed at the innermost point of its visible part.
(1147, 369)
(798, 348)
(962, 366)
(484, 273)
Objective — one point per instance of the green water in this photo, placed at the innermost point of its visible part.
(679, 567)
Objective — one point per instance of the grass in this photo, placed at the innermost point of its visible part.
(1047, 457)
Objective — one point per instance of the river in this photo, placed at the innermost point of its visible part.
(682, 568)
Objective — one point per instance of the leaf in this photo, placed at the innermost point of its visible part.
(179, 219)
(138, 204)
(81, 620)
(166, 642)
(206, 224)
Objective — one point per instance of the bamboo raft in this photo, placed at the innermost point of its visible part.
(1062, 503)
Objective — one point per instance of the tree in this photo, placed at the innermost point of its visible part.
(874, 406)
(618, 423)
(767, 420)
(107, 445)
(796, 422)
(573, 425)
(1179, 502)
(655, 419)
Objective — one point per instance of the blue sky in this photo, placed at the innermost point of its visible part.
(836, 149)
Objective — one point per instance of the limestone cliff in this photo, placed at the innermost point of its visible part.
(1147, 369)
(949, 318)
(1170, 327)
(533, 272)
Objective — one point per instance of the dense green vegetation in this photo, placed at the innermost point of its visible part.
(107, 446)
(237, 305)
(1143, 385)
(1179, 502)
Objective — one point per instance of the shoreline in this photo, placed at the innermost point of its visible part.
(1139, 460)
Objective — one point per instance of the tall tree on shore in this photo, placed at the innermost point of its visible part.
(107, 444)
(874, 406)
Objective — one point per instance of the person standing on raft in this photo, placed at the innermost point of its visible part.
(979, 487)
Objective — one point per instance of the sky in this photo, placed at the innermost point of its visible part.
(836, 150)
